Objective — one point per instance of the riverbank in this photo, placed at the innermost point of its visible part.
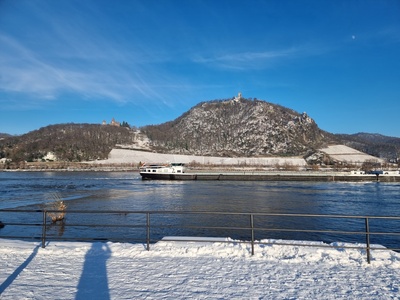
(220, 173)
(69, 166)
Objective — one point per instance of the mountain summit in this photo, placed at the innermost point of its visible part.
(238, 127)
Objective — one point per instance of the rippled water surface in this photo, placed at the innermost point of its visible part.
(126, 191)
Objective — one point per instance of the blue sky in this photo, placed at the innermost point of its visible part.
(147, 62)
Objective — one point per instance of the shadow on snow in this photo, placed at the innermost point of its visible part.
(17, 271)
(93, 283)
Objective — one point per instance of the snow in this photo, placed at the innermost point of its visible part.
(198, 270)
(337, 152)
(344, 153)
(123, 156)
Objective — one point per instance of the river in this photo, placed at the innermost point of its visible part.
(121, 191)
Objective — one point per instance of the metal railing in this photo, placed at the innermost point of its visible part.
(146, 222)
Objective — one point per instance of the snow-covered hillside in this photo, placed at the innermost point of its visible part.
(123, 156)
(343, 153)
(336, 152)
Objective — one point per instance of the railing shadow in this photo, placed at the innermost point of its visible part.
(93, 283)
(17, 271)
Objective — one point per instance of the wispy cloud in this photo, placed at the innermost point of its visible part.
(257, 59)
(72, 55)
(25, 71)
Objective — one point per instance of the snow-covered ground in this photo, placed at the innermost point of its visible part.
(337, 152)
(193, 270)
(347, 154)
(123, 156)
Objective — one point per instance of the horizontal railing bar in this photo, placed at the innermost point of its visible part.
(259, 229)
(213, 227)
(20, 237)
(384, 233)
(93, 239)
(311, 230)
(21, 210)
(276, 230)
(97, 225)
(23, 224)
(208, 213)
(205, 227)
(200, 227)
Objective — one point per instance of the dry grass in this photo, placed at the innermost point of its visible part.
(58, 208)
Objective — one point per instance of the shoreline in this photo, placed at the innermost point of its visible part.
(221, 173)
(240, 176)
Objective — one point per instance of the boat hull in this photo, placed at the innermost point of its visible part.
(164, 176)
(267, 177)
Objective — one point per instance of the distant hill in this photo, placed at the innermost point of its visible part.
(238, 127)
(69, 142)
(374, 144)
(4, 135)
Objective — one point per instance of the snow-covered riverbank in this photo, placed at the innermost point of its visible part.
(182, 270)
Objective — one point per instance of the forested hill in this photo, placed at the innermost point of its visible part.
(69, 142)
(374, 144)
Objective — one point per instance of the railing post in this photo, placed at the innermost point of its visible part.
(252, 233)
(148, 231)
(368, 242)
(44, 229)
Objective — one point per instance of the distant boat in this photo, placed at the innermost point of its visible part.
(161, 171)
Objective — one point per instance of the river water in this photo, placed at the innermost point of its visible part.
(122, 191)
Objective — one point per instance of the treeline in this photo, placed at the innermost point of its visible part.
(69, 142)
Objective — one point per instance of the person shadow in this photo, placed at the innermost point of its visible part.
(93, 283)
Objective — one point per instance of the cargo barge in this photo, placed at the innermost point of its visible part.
(177, 171)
